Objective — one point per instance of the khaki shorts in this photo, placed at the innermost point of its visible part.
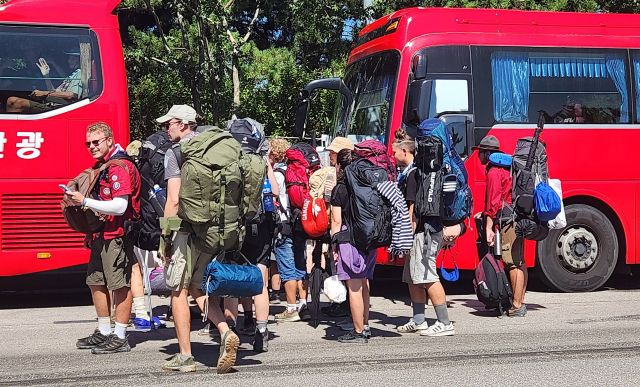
(187, 265)
(421, 268)
(110, 263)
(512, 248)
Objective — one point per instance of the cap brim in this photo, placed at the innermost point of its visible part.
(164, 119)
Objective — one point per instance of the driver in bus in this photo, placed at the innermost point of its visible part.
(40, 101)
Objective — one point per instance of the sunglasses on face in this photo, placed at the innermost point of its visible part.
(95, 142)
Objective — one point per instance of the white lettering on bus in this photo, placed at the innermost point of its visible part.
(3, 141)
(29, 148)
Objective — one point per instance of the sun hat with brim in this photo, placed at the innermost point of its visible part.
(184, 113)
(340, 143)
(489, 143)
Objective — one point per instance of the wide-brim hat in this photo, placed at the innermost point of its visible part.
(490, 143)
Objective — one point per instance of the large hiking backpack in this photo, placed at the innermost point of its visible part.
(150, 162)
(491, 284)
(523, 180)
(250, 134)
(457, 201)
(80, 218)
(302, 161)
(220, 190)
(369, 214)
(314, 217)
(376, 152)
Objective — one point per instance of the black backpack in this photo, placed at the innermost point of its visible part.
(249, 133)
(428, 164)
(491, 284)
(310, 154)
(369, 214)
(145, 233)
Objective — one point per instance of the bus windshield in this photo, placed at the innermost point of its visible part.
(372, 81)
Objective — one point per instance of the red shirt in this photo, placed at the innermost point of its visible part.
(498, 190)
(120, 182)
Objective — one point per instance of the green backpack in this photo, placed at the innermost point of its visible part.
(220, 190)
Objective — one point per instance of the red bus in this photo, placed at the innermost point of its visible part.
(488, 71)
(78, 45)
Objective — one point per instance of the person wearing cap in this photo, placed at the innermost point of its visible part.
(180, 123)
(338, 144)
(39, 101)
(497, 201)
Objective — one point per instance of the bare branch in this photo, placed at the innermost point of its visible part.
(229, 5)
(159, 25)
(251, 24)
(159, 61)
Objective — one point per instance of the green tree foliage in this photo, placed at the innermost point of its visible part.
(186, 51)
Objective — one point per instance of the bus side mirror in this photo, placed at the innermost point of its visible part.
(419, 100)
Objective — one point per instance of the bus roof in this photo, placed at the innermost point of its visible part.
(478, 25)
(98, 14)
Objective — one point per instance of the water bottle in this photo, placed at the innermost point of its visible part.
(267, 196)
(497, 247)
(158, 199)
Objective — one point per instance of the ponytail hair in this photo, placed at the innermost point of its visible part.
(404, 141)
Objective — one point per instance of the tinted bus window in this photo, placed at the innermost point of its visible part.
(44, 69)
(569, 86)
(448, 60)
(636, 78)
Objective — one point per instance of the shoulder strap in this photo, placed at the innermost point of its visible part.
(177, 151)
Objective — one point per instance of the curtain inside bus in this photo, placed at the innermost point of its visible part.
(636, 68)
(512, 71)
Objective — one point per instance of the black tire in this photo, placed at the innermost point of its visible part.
(559, 270)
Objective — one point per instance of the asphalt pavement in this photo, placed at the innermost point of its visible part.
(588, 339)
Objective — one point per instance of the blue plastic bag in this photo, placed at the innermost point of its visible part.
(547, 202)
(223, 279)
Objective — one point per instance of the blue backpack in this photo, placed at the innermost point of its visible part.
(456, 194)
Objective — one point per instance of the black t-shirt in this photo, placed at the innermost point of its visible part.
(411, 190)
(340, 198)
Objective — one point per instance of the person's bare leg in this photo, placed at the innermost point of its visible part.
(356, 304)
(230, 309)
(366, 300)
(290, 290)
(435, 292)
(515, 286)
(262, 300)
(137, 284)
(417, 293)
(101, 300)
(247, 306)
(303, 285)
(182, 320)
(17, 105)
(525, 272)
(122, 300)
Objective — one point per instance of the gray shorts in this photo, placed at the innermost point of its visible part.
(421, 268)
(181, 274)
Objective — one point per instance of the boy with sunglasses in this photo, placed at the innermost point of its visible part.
(117, 197)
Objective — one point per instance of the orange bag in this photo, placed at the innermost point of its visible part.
(314, 219)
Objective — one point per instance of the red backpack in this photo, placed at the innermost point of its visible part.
(314, 218)
(302, 161)
(376, 152)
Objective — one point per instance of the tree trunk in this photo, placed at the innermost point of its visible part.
(235, 64)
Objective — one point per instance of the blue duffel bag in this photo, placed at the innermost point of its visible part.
(547, 202)
(232, 280)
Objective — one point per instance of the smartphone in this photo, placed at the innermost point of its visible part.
(64, 188)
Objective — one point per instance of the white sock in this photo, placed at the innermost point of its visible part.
(140, 308)
(291, 308)
(120, 330)
(366, 327)
(104, 325)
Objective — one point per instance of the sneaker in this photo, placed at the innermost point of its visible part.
(180, 362)
(367, 332)
(518, 312)
(304, 313)
(228, 351)
(261, 341)
(287, 316)
(439, 329)
(274, 298)
(412, 327)
(91, 341)
(143, 324)
(248, 326)
(114, 344)
(353, 337)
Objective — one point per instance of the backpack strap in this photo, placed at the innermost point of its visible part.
(177, 151)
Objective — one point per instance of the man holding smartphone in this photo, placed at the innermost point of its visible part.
(116, 196)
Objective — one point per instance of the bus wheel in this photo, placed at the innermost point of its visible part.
(581, 257)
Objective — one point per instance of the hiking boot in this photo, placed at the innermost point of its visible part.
(304, 313)
(114, 344)
(180, 362)
(353, 337)
(93, 340)
(518, 312)
(228, 350)
(248, 326)
(261, 341)
(412, 327)
(143, 324)
(287, 316)
(439, 329)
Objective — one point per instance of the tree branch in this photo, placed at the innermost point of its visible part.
(251, 24)
(159, 25)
